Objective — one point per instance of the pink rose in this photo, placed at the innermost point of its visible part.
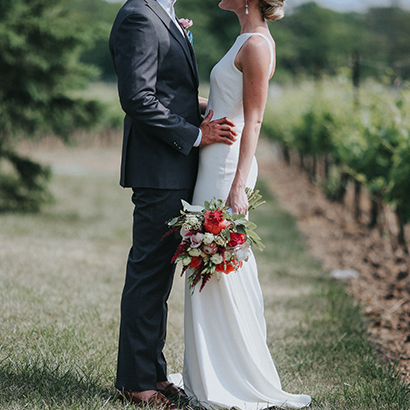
(185, 23)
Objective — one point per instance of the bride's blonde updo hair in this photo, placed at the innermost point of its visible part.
(272, 9)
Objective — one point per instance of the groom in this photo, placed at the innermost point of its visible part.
(158, 89)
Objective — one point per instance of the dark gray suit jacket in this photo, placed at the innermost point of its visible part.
(158, 89)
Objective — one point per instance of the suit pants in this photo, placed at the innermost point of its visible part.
(149, 276)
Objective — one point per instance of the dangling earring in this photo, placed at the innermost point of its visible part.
(247, 7)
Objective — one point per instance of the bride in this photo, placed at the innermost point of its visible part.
(227, 362)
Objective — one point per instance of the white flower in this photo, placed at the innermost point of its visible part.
(186, 261)
(195, 252)
(185, 231)
(243, 251)
(192, 220)
(208, 238)
(216, 259)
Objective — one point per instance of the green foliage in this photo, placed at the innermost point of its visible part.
(312, 134)
(23, 190)
(40, 43)
(388, 32)
(40, 46)
(98, 16)
(370, 142)
(398, 187)
(366, 143)
(320, 36)
(311, 40)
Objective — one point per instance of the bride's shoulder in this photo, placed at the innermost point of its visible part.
(257, 45)
(257, 54)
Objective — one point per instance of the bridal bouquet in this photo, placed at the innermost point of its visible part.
(214, 240)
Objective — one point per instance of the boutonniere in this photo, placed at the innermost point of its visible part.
(186, 24)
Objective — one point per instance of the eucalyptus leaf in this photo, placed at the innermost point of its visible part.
(241, 221)
(173, 222)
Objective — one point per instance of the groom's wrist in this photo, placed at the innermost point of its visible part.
(198, 139)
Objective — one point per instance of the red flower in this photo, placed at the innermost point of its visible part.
(236, 239)
(182, 247)
(214, 223)
(217, 214)
(195, 262)
(229, 267)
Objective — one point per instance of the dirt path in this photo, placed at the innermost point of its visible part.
(382, 286)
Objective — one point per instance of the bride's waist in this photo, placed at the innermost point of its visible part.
(237, 120)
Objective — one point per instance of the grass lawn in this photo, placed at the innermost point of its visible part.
(61, 276)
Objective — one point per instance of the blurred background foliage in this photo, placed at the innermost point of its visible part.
(311, 40)
(57, 77)
(342, 136)
(40, 47)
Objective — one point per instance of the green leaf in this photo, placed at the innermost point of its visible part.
(172, 222)
(241, 229)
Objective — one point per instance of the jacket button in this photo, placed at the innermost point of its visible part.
(177, 146)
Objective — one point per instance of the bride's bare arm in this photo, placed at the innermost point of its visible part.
(253, 60)
(203, 102)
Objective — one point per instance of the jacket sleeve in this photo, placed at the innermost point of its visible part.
(134, 47)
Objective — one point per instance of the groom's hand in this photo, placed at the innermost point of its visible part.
(221, 130)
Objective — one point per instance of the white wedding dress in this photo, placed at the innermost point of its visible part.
(227, 362)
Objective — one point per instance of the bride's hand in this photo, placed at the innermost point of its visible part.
(238, 201)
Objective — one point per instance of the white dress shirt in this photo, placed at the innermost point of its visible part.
(168, 6)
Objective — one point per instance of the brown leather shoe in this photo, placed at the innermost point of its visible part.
(175, 393)
(157, 400)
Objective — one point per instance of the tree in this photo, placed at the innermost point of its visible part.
(99, 16)
(40, 44)
(322, 39)
(388, 41)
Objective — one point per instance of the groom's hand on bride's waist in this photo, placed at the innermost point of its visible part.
(221, 130)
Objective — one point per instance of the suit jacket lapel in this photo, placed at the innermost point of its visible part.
(182, 39)
(192, 54)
